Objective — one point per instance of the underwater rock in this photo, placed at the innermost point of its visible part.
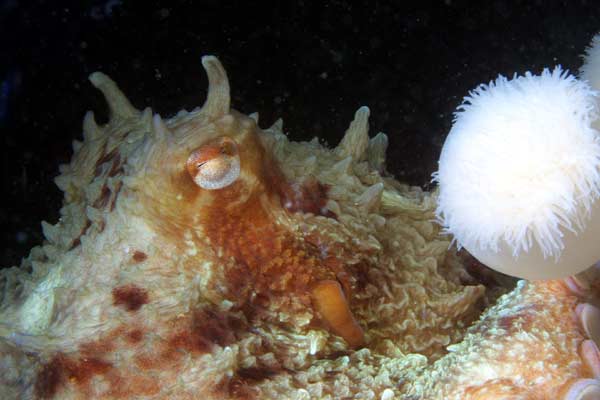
(203, 256)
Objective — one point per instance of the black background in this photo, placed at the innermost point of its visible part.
(311, 63)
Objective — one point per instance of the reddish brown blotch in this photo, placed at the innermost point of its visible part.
(131, 297)
(139, 256)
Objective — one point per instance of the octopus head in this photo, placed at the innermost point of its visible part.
(214, 189)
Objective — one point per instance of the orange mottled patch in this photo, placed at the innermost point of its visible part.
(197, 333)
(270, 259)
(104, 346)
(495, 389)
(274, 259)
(62, 370)
(134, 336)
(77, 370)
(136, 385)
(520, 321)
(147, 362)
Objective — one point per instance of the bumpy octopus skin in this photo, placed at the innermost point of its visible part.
(203, 257)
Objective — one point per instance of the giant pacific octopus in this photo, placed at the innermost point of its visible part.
(201, 256)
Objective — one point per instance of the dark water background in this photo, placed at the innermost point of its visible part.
(311, 63)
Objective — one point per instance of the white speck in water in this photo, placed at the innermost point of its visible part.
(21, 237)
(164, 13)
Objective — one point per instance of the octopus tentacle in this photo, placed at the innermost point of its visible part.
(589, 317)
(583, 389)
(591, 355)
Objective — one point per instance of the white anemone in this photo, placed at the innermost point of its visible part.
(519, 175)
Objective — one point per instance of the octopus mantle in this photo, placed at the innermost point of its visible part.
(298, 272)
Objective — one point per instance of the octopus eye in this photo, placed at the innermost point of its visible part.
(215, 165)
